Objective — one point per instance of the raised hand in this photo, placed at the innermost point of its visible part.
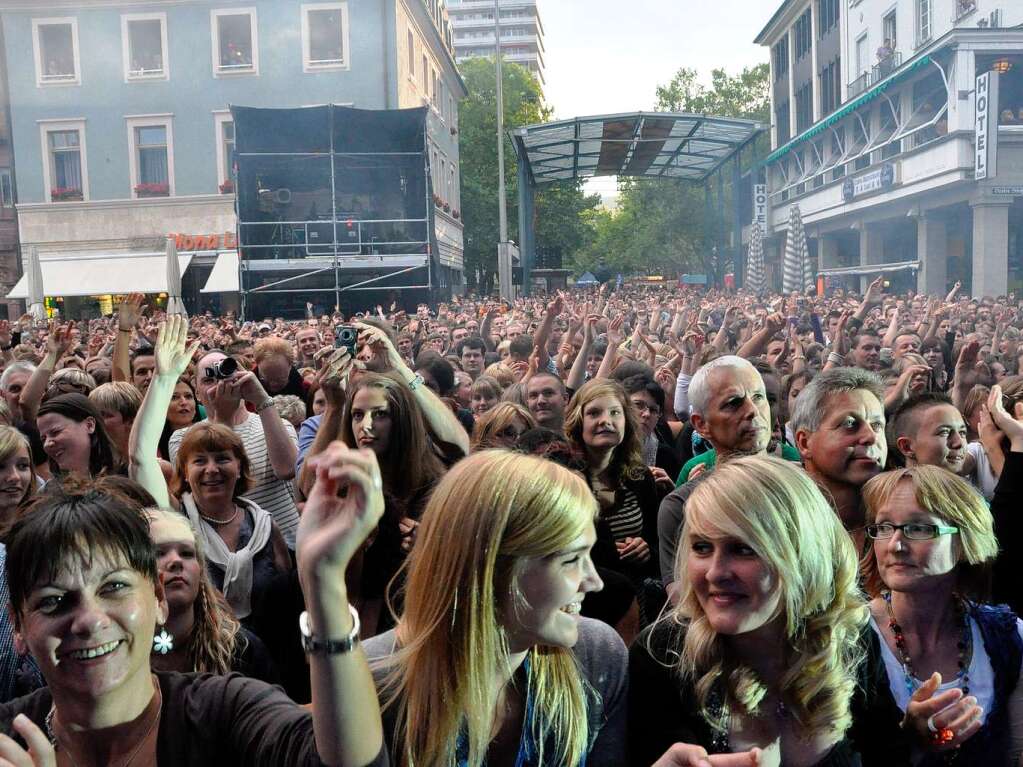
(333, 378)
(5, 333)
(172, 351)
(615, 336)
(333, 528)
(129, 312)
(689, 755)
(1010, 425)
(58, 340)
(40, 751)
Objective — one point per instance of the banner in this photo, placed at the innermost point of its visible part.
(985, 158)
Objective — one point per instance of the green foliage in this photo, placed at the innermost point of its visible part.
(561, 209)
(663, 226)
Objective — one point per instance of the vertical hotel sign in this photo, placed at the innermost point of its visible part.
(760, 206)
(985, 161)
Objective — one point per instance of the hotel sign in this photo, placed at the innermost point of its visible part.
(760, 205)
(225, 241)
(876, 181)
(985, 155)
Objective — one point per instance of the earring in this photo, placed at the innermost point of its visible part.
(163, 642)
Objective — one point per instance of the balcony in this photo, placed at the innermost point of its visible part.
(876, 74)
(965, 8)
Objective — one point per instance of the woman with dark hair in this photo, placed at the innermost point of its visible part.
(87, 600)
(381, 414)
(935, 352)
(75, 438)
(182, 412)
(602, 427)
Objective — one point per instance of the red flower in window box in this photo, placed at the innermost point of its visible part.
(152, 190)
(227, 187)
(455, 214)
(447, 207)
(65, 194)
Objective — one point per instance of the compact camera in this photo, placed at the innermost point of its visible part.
(346, 336)
(222, 370)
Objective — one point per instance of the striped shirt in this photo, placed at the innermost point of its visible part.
(273, 495)
(626, 518)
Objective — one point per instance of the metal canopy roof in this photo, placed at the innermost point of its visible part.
(650, 144)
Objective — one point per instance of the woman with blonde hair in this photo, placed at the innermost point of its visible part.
(767, 649)
(17, 474)
(484, 393)
(205, 635)
(501, 427)
(490, 657)
(601, 424)
(928, 574)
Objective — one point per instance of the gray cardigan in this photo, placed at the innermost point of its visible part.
(603, 661)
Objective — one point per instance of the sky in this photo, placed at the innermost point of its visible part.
(609, 56)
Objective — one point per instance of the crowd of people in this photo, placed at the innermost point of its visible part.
(647, 526)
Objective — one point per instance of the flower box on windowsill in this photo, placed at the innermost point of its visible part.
(227, 187)
(447, 208)
(455, 214)
(62, 194)
(152, 190)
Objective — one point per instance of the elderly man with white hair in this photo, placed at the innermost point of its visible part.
(729, 409)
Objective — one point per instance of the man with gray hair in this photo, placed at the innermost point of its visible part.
(729, 409)
(839, 422)
(12, 383)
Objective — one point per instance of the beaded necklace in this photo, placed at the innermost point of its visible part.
(964, 646)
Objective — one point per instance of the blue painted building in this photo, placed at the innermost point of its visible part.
(121, 130)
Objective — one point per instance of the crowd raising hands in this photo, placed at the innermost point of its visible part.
(613, 526)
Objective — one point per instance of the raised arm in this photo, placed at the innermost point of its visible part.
(614, 340)
(58, 340)
(281, 449)
(172, 358)
(577, 376)
(128, 313)
(757, 344)
(442, 420)
(346, 714)
(543, 332)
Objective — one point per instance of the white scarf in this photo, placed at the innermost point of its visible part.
(237, 565)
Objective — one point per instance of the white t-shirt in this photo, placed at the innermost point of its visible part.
(983, 477)
(273, 495)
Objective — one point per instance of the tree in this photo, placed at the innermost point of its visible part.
(560, 210)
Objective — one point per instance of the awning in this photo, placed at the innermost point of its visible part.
(224, 277)
(896, 77)
(869, 269)
(102, 274)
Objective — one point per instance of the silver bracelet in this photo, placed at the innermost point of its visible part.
(835, 357)
(265, 404)
(416, 382)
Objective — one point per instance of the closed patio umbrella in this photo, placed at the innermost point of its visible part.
(36, 292)
(174, 303)
(794, 266)
(755, 280)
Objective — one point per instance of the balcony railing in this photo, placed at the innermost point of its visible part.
(964, 7)
(876, 74)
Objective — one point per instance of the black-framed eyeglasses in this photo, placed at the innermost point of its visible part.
(914, 531)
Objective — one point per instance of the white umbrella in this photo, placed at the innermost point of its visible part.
(794, 266)
(36, 294)
(174, 303)
(755, 280)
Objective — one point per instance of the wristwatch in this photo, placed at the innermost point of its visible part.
(416, 382)
(311, 644)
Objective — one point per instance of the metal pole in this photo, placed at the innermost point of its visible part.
(503, 210)
(504, 258)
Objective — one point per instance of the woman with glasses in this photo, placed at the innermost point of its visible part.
(953, 663)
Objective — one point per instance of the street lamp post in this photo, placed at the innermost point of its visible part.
(504, 257)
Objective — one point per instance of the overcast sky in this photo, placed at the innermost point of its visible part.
(608, 56)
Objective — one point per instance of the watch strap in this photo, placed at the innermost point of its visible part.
(313, 644)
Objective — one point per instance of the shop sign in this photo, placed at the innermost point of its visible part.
(225, 241)
(1011, 191)
(875, 181)
(760, 205)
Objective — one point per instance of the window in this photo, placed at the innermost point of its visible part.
(152, 156)
(235, 47)
(324, 36)
(831, 87)
(782, 122)
(804, 108)
(426, 74)
(144, 46)
(827, 16)
(227, 173)
(6, 189)
(890, 33)
(781, 59)
(923, 21)
(436, 89)
(55, 43)
(411, 55)
(65, 173)
(803, 34)
(837, 151)
(862, 55)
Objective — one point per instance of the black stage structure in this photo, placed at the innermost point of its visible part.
(332, 200)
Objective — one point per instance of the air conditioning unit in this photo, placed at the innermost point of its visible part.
(282, 196)
(996, 18)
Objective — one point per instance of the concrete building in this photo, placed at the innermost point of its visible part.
(122, 132)
(522, 33)
(878, 115)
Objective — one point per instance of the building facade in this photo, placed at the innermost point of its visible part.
(875, 131)
(120, 112)
(522, 32)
